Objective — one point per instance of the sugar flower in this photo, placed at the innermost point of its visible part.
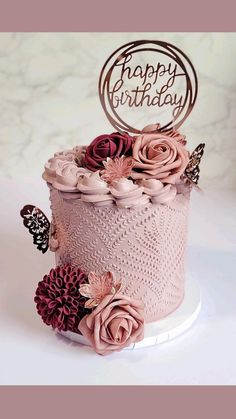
(98, 287)
(117, 168)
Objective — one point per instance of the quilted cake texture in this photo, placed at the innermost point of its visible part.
(144, 246)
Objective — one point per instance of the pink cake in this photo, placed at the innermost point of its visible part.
(118, 230)
(144, 245)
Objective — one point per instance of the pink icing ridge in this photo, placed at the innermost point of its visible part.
(53, 165)
(76, 182)
(54, 171)
(67, 176)
(128, 194)
(159, 193)
(94, 190)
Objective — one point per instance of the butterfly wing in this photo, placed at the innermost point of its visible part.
(192, 170)
(38, 225)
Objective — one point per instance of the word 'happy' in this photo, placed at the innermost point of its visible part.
(144, 93)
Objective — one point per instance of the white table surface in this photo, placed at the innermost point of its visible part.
(30, 353)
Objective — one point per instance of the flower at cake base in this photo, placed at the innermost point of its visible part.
(158, 156)
(114, 324)
(58, 299)
(117, 168)
(107, 145)
(98, 287)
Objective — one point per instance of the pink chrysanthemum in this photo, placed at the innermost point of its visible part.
(117, 168)
(98, 287)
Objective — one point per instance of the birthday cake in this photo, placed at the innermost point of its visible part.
(119, 220)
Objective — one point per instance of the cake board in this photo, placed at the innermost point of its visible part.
(165, 329)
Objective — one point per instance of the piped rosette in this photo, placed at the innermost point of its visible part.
(53, 165)
(128, 194)
(159, 193)
(94, 190)
(61, 159)
(67, 176)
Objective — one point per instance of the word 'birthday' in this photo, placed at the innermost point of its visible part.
(144, 93)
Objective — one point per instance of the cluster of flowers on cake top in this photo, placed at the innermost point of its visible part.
(93, 305)
(128, 170)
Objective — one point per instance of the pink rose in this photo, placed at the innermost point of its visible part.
(113, 145)
(152, 128)
(115, 323)
(158, 156)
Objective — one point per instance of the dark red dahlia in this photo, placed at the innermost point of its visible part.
(58, 299)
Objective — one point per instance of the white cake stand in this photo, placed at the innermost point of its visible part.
(166, 329)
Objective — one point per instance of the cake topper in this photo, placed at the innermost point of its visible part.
(147, 81)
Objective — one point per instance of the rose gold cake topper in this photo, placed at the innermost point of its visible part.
(147, 79)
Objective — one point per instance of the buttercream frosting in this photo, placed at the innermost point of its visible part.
(159, 193)
(67, 176)
(127, 194)
(95, 190)
(52, 165)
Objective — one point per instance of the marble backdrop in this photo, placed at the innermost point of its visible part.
(49, 100)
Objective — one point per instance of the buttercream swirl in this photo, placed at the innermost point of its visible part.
(67, 176)
(52, 165)
(94, 190)
(159, 193)
(127, 194)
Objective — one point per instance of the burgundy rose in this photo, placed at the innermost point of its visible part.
(58, 299)
(112, 145)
